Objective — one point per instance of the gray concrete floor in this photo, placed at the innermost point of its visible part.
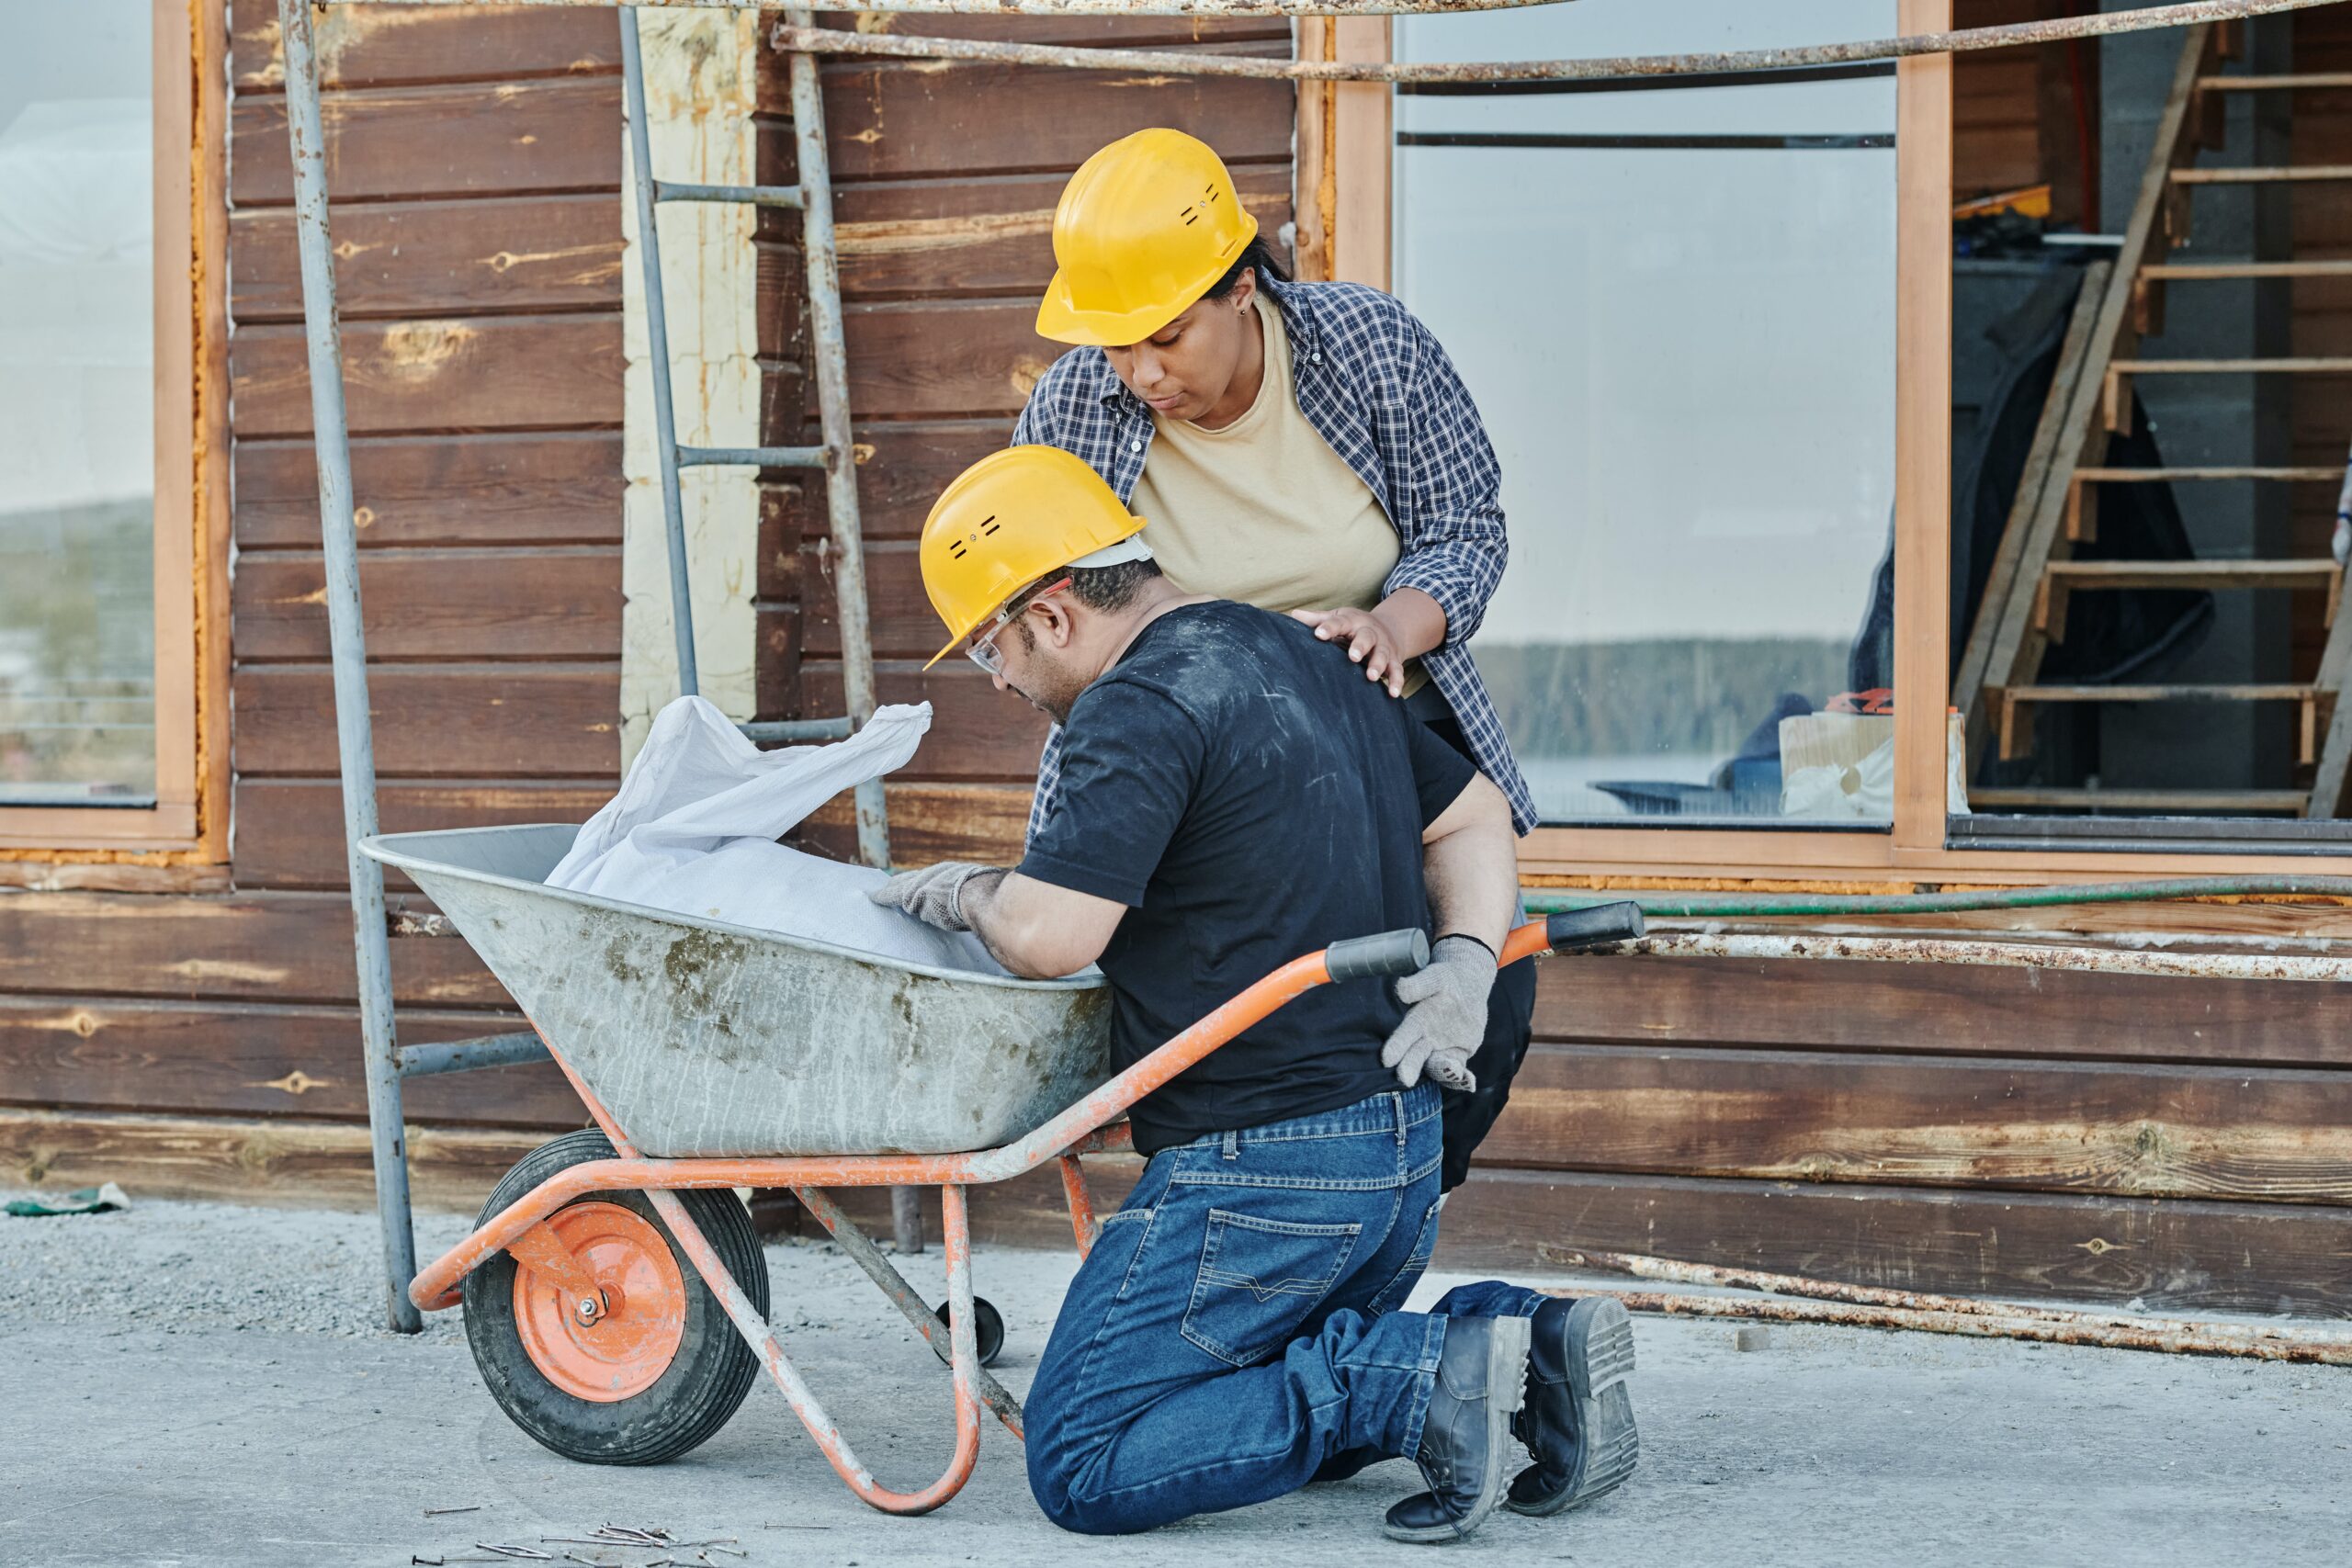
(196, 1384)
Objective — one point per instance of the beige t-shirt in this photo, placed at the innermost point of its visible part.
(1263, 510)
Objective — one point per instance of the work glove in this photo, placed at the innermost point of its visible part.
(1445, 1015)
(933, 894)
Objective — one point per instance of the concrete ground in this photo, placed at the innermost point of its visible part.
(200, 1385)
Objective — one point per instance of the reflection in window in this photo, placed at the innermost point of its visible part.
(1675, 308)
(77, 449)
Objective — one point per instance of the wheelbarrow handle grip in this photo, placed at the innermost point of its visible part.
(1598, 926)
(1390, 953)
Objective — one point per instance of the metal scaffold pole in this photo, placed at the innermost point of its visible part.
(354, 736)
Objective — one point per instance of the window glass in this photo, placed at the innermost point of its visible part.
(77, 437)
(1675, 306)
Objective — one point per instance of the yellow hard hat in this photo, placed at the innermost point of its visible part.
(1144, 227)
(1009, 520)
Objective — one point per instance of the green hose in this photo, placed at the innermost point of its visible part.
(1671, 905)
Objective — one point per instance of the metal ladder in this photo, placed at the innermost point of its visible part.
(386, 1062)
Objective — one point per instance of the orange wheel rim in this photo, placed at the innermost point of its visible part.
(619, 1345)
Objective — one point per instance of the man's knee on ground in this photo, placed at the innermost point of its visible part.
(1057, 1480)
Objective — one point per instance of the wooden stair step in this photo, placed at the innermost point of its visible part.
(2329, 364)
(2169, 692)
(2120, 372)
(2080, 574)
(2187, 802)
(2286, 83)
(2149, 285)
(2062, 579)
(2013, 704)
(2143, 475)
(2179, 271)
(2081, 500)
(2289, 173)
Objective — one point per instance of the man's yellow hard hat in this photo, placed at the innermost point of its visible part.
(1144, 227)
(1008, 521)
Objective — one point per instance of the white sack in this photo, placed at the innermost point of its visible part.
(1852, 791)
(693, 828)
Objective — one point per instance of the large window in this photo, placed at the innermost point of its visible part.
(111, 425)
(77, 427)
(1676, 305)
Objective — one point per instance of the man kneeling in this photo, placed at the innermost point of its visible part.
(1234, 794)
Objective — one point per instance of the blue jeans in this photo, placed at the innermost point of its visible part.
(1235, 1330)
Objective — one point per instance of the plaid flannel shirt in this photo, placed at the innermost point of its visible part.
(1377, 385)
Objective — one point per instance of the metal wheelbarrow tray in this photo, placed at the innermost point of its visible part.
(602, 1279)
(704, 1039)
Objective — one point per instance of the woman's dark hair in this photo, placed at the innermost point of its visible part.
(1256, 256)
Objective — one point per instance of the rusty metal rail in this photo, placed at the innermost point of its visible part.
(2195, 1341)
(978, 51)
(1833, 1304)
(2006, 955)
(1061, 8)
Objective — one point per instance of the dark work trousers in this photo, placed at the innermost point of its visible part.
(1511, 1008)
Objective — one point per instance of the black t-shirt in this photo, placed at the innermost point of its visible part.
(1250, 797)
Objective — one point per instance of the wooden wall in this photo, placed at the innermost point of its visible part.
(2014, 109)
(1979, 1129)
(945, 183)
(475, 168)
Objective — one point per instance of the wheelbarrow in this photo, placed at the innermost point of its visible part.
(616, 1296)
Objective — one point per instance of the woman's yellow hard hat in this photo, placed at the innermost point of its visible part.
(1144, 228)
(1008, 521)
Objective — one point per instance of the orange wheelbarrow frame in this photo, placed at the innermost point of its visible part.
(1093, 1125)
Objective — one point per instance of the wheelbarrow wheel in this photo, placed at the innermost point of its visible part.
(657, 1367)
(987, 1328)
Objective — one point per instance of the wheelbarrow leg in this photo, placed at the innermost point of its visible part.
(878, 1269)
(1082, 1223)
(964, 1357)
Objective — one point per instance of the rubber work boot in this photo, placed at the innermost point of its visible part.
(1579, 1420)
(1465, 1436)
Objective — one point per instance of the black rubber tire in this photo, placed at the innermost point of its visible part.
(702, 1387)
(987, 1328)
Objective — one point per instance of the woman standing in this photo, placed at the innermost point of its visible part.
(1305, 447)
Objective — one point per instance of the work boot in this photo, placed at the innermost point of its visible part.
(1465, 1435)
(1579, 1420)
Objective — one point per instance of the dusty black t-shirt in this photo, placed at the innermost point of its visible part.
(1250, 797)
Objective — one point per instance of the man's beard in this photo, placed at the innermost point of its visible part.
(1054, 705)
(1048, 690)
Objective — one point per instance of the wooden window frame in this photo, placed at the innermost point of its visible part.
(1350, 199)
(188, 823)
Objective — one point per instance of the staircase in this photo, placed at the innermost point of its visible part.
(2033, 574)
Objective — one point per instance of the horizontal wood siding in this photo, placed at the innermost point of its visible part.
(474, 162)
(945, 187)
(1974, 1128)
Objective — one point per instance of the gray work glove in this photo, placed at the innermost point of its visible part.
(933, 894)
(1445, 1016)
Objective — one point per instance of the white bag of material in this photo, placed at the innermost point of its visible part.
(1849, 792)
(693, 828)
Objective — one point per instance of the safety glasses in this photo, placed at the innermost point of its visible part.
(982, 649)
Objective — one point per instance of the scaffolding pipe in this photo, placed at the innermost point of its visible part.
(829, 345)
(2012, 35)
(2195, 1339)
(347, 637)
(1674, 1272)
(657, 353)
(1999, 954)
(1050, 7)
(1674, 904)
